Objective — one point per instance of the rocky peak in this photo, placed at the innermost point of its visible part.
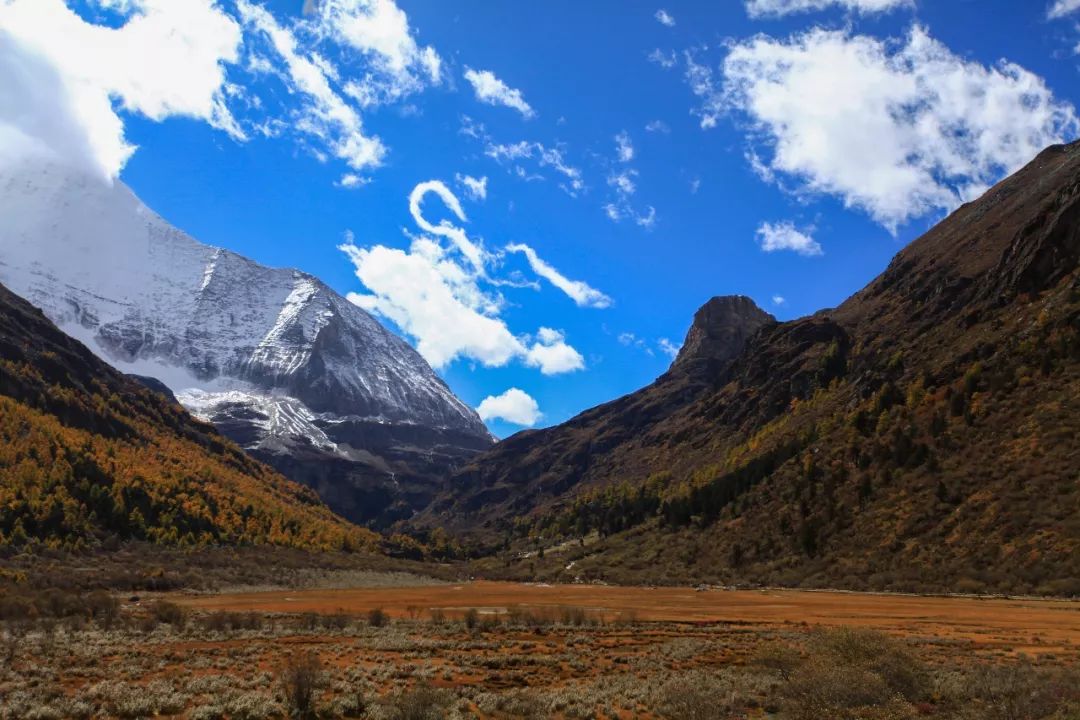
(720, 330)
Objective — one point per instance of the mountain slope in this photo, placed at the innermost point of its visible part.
(280, 362)
(87, 453)
(922, 436)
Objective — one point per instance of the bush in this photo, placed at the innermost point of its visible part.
(472, 618)
(853, 674)
(103, 608)
(1020, 692)
(225, 621)
(301, 678)
(377, 618)
(698, 696)
(163, 611)
(422, 703)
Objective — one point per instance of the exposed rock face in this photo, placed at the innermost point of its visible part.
(719, 332)
(282, 363)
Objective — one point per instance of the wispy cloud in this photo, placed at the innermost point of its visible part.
(624, 147)
(664, 18)
(779, 8)
(475, 188)
(1061, 8)
(580, 292)
(493, 91)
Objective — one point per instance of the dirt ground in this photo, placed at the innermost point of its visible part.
(1022, 625)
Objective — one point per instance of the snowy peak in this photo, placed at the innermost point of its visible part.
(152, 300)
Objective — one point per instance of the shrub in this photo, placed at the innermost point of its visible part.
(698, 696)
(169, 613)
(472, 618)
(377, 618)
(422, 703)
(301, 678)
(854, 674)
(781, 659)
(1020, 692)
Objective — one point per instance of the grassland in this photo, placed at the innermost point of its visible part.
(504, 650)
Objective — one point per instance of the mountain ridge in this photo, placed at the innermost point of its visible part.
(868, 446)
(277, 359)
(88, 454)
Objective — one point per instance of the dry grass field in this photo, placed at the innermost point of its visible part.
(504, 650)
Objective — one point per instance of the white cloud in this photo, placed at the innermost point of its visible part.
(166, 59)
(777, 8)
(623, 181)
(552, 355)
(475, 188)
(351, 181)
(666, 60)
(669, 348)
(493, 91)
(324, 114)
(778, 300)
(543, 156)
(658, 126)
(472, 251)
(784, 236)
(702, 83)
(624, 147)
(395, 65)
(629, 339)
(412, 290)
(624, 185)
(1061, 8)
(578, 291)
(664, 18)
(435, 294)
(897, 130)
(514, 406)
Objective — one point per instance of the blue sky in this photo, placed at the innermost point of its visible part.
(775, 148)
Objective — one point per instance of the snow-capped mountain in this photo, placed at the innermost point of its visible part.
(274, 357)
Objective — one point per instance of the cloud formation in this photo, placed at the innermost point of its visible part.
(624, 147)
(783, 236)
(545, 157)
(1061, 8)
(580, 292)
(664, 18)
(669, 348)
(779, 8)
(897, 130)
(475, 188)
(514, 406)
(550, 353)
(323, 112)
(623, 182)
(435, 292)
(166, 59)
(493, 91)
